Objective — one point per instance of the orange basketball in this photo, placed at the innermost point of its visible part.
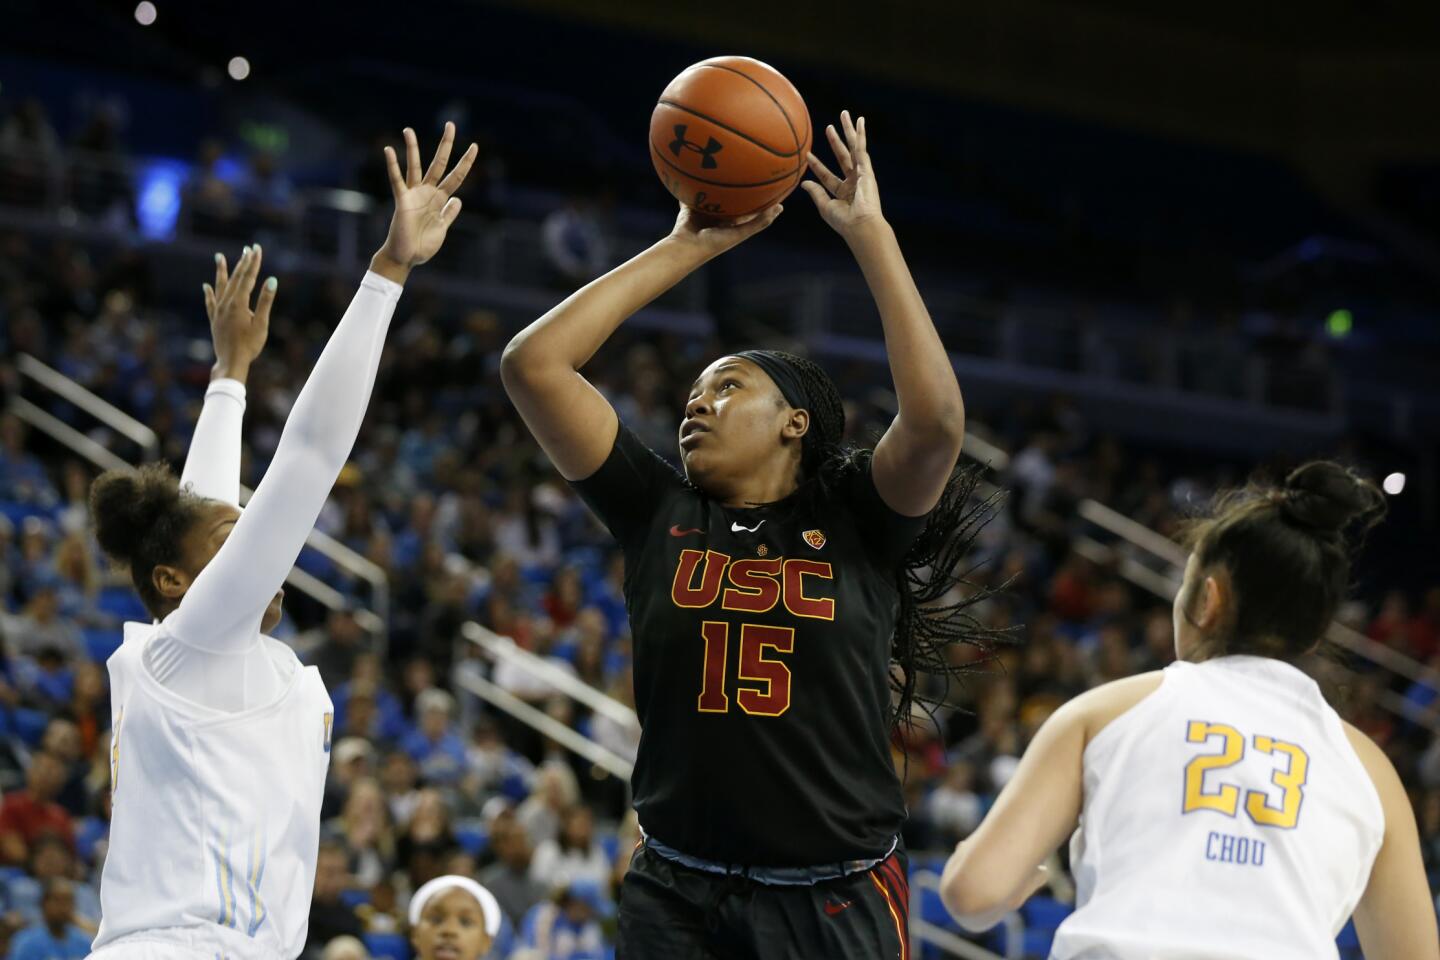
(729, 136)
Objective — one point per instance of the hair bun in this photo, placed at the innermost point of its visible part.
(1327, 498)
(127, 504)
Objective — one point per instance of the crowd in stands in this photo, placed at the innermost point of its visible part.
(449, 496)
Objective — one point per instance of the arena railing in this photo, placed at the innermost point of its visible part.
(921, 929)
(373, 620)
(498, 649)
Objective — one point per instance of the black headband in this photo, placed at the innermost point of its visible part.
(780, 370)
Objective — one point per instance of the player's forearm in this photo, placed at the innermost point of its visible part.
(925, 386)
(979, 898)
(212, 465)
(569, 335)
(231, 593)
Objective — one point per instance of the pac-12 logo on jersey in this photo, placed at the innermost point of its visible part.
(329, 728)
(815, 538)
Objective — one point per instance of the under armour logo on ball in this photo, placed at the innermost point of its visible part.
(707, 152)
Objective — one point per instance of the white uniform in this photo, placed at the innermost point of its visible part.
(221, 738)
(1226, 816)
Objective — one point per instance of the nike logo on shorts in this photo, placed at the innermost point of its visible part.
(675, 531)
(736, 528)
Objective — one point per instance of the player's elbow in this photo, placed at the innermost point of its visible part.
(522, 365)
(970, 894)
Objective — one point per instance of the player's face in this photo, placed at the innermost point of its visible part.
(206, 539)
(451, 927)
(735, 419)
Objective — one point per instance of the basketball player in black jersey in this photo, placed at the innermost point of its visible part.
(769, 589)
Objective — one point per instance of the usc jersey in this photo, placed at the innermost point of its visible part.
(762, 649)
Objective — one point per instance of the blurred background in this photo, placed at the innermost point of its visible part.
(1167, 246)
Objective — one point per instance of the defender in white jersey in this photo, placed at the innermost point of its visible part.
(220, 738)
(1224, 809)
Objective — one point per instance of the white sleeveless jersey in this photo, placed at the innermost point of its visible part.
(216, 817)
(1226, 816)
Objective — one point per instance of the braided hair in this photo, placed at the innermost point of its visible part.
(939, 593)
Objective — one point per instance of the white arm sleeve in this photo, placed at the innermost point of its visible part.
(212, 467)
(221, 611)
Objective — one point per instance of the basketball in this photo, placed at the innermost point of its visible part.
(729, 137)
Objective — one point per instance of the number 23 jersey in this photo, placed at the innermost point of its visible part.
(1225, 815)
(762, 642)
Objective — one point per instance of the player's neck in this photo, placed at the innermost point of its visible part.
(758, 487)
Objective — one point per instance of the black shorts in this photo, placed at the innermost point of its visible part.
(672, 912)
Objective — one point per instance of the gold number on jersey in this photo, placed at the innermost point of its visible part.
(1292, 781)
(1226, 800)
(1232, 748)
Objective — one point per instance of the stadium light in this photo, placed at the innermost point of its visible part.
(145, 13)
(1340, 323)
(1394, 484)
(239, 68)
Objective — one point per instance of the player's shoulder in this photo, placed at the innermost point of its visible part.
(1377, 764)
(1097, 708)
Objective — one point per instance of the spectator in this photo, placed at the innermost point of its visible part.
(329, 916)
(572, 855)
(568, 927)
(364, 830)
(62, 741)
(40, 626)
(344, 640)
(51, 859)
(23, 478)
(56, 936)
(345, 948)
(555, 792)
(401, 782)
(33, 811)
(508, 878)
(435, 746)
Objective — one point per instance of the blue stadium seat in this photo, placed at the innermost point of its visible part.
(89, 832)
(121, 602)
(354, 898)
(610, 843)
(472, 837)
(100, 644)
(391, 945)
(29, 725)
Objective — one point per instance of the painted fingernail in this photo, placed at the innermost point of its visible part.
(217, 258)
(271, 284)
(257, 248)
(245, 251)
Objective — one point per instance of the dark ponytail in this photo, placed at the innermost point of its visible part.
(938, 591)
(141, 518)
(1288, 551)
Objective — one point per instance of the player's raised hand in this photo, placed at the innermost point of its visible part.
(425, 204)
(711, 237)
(238, 332)
(851, 200)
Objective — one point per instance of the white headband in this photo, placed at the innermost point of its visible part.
(488, 904)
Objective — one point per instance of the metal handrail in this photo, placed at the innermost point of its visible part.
(927, 932)
(135, 431)
(52, 425)
(352, 562)
(503, 648)
(107, 413)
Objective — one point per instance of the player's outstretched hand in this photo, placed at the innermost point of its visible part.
(425, 205)
(238, 332)
(850, 202)
(712, 237)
